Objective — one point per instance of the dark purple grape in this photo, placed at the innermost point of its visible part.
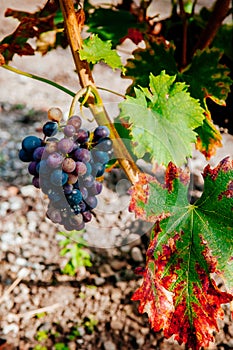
(30, 143)
(68, 165)
(91, 201)
(75, 121)
(36, 182)
(38, 153)
(104, 144)
(101, 132)
(68, 188)
(32, 168)
(81, 168)
(82, 136)
(69, 130)
(65, 145)
(50, 128)
(54, 160)
(95, 189)
(25, 156)
(87, 216)
(82, 155)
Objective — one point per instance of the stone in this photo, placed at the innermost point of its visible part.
(136, 254)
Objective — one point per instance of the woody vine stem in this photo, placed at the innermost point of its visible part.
(73, 32)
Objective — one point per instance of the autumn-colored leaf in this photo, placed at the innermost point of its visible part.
(32, 25)
(188, 244)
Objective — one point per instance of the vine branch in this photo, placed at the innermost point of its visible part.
(73, 31)
(220, 12)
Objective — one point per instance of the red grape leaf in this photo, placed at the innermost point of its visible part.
(189, 243)
(31, 25)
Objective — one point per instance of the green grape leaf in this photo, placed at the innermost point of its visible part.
(162, 120)
(95, 50)
(207, 77)
(115, 25)
(189, 243)
(156, 57)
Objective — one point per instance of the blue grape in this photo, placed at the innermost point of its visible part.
(25, 156)
(50, 128)
(58, 177)
(98, 169)
(75, 197)
(100, 156)
(30, 143)
(104, 144)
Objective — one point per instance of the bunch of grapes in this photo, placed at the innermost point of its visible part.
(68, 169)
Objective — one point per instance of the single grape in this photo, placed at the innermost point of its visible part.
(32, 168)
(50, 128)
(72, 179)
(38, 153)
(68, 165)
(82, 136)
(54, 160)
(55, 114)
(54, 215)
(36, 182)
(30, 143)
(101, 132)
(88, 180)
(84, 192)
(25, 156)
(104, 144)
(95, 189)
(51, 146)
(82, 155)
(76, 121)
(68, 188)
(65, 145)
(69, 130)
(100, 156)
(81, 168)
(91, 201)
(75, 197)
(87, 216)
(76, 220)
(58, 177)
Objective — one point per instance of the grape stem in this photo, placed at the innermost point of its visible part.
(73, 32)
(36, 77)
